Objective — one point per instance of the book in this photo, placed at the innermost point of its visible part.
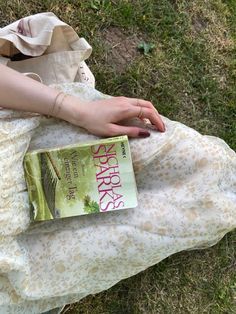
(80, 179)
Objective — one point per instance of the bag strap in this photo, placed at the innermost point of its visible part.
(32, 75)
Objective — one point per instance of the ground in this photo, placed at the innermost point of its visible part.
(190, 76)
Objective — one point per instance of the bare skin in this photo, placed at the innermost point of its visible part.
(98, 117)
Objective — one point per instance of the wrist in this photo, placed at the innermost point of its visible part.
(69, 109)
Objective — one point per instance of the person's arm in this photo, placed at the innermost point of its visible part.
(22, 93)
(99, 117)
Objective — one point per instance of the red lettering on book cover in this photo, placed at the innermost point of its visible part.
(108, 176)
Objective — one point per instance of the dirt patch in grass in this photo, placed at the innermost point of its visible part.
(120, 48)
(199, 23)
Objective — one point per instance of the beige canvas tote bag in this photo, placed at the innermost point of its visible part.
(44, 45)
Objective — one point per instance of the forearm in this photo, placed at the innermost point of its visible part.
(22, 93)
(101, 117)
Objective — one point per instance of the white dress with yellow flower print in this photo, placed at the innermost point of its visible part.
(186, 194)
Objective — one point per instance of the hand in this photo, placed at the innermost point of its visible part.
(101, 117)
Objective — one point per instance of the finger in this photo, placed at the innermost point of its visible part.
(152, 116)
(131, 131)
(141, 102)
(147, 104)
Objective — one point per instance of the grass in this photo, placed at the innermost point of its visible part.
(190, 76)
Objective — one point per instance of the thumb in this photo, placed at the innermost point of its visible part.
(131, 131)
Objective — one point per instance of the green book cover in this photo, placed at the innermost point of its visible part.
(80, 179)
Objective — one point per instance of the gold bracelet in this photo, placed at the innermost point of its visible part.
(60, 105)
(50, 114)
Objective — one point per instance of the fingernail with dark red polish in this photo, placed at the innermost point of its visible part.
(144, 134)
